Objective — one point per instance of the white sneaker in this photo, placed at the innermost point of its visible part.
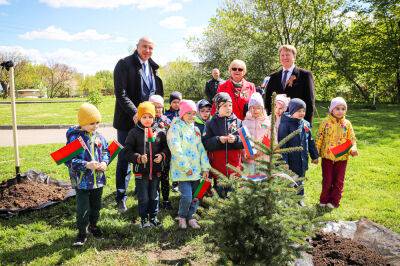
(182, 223)
(322, 205)
(330, 205)
(193, 223)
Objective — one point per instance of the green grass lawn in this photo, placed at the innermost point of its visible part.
(53, 113)
(372, 190)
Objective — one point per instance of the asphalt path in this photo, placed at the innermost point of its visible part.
(45, 136)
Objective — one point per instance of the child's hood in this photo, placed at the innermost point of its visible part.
(200, 121)
(74, 130)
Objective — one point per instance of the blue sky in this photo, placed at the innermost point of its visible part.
(91, 35)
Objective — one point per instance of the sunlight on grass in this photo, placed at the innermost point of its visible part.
(372, 190)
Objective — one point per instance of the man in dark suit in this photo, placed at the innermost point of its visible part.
(135, 80)
(292, 81)
(212, 85)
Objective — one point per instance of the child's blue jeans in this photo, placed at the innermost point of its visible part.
(148, 196)
(187, 206)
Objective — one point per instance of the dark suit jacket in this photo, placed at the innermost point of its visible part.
(303, 88)
(212, 87)
(128, 88)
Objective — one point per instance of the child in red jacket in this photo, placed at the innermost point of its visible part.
(221, 139)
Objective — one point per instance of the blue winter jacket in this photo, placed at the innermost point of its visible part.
(297, 161)
(81, 177)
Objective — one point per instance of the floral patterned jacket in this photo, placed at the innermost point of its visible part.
(81, 177)
(187, 151)
(333, 132)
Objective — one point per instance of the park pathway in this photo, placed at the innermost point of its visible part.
(46, 136)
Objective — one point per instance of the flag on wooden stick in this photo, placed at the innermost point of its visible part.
(114, 148)
(244, 136)
(69, 151)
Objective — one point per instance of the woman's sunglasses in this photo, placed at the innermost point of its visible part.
(237, 69)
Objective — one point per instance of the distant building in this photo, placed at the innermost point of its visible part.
(28, 93)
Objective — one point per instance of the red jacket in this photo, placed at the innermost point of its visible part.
(239, 101)
(220, 154)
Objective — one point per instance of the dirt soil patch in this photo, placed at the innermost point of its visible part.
(29, 194)
(330, 249)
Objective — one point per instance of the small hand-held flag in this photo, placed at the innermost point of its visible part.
(201, 189)
(69, 151)
(244, 136)
(114, 148)
(266, 141)
(341, 149)
(150, 137)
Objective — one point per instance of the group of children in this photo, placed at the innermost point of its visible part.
(187, 141)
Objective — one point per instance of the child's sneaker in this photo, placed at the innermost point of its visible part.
(121, 206)
(80, 240)
(175, 187)
(144, 223)
(193, 223)
(322, 205)
(95, 231)
(330, 206)
(155, 222)
(182, 223)
(167, 205)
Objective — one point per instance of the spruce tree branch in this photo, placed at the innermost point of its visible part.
(287, 138)
(288, 150)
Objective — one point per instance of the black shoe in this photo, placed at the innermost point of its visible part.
(80, 240)
(167, 205)
(155, 222)
(144, 223)
(95, 231)
(121, 206)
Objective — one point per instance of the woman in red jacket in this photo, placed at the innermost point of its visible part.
(238, 88)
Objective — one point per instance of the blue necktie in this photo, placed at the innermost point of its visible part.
(148, 77)
(284, 78)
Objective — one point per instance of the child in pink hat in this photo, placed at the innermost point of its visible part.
(189, 161)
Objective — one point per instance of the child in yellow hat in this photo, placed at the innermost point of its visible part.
(146, 147)
(87, 171)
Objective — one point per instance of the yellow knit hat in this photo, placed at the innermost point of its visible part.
(146, 108)
(87, 114)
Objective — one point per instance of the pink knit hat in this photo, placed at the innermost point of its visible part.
(337, 101)
(156, 99)
(283, 99)
(186, 106)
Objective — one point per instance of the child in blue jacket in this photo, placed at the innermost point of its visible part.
(87, 171)
(291, 121)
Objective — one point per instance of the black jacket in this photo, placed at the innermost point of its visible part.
(303, 88)
(134, 146)
(222, 126)
(127, 89)
(211, 88)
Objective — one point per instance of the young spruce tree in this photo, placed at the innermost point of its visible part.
(261, 222)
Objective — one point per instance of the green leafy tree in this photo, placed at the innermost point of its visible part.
(184, 76)
(261, 223)
(107, 81)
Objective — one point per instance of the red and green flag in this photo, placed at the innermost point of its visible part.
(266, 141)
(69, 151)
(201, 189)
(342, 148)
(114, 148)
(150, 137)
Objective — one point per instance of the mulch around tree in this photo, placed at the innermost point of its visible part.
(330, 249)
